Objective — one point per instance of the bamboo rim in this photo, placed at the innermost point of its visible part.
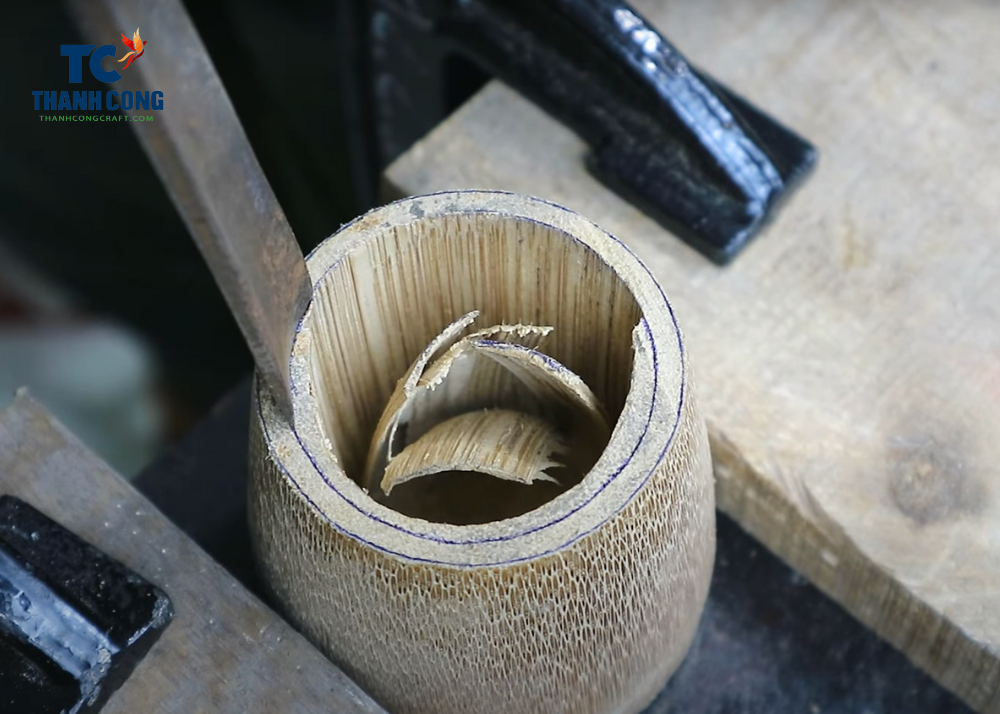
(642, 434)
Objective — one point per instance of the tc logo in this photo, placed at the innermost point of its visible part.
(76, 53)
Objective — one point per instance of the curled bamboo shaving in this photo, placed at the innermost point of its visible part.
(498, 442)
(499, 369)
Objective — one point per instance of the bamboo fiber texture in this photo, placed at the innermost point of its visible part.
(584, 598)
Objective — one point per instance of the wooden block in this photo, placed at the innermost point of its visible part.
(225, 651)
(849, 360)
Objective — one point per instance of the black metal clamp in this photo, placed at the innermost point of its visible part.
(692, 154)
(74, 623)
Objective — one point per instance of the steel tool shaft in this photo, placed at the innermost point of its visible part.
(202, 155)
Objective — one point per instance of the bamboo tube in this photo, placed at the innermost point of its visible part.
(577, 591)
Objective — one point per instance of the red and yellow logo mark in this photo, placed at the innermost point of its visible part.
(135, 44)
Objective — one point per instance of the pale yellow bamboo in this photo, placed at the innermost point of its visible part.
(583, 597)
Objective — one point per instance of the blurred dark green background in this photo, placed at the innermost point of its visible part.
(80, 201)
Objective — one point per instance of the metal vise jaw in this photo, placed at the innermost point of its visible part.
(698, 158)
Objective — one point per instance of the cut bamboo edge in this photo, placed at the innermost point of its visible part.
(586, 598)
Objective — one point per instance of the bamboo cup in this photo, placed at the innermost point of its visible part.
(567, 578)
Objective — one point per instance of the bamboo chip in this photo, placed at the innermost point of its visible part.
(425, 396)
(477, 584)
(498, 442)
(497, 368)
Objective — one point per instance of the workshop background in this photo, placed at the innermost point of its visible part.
(106, 309)
(105, 303)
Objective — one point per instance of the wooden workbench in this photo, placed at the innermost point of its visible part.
(768, 642)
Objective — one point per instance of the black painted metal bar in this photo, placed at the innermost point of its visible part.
(73, 622)
(692, 154)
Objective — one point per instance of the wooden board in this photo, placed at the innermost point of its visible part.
(224, 651)
(849, 360)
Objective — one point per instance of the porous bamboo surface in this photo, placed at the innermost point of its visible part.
(584, 595)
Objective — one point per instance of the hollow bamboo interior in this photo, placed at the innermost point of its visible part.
(379, 307)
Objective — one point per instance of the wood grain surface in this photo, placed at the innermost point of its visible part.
(224, 651)
(850, 358)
